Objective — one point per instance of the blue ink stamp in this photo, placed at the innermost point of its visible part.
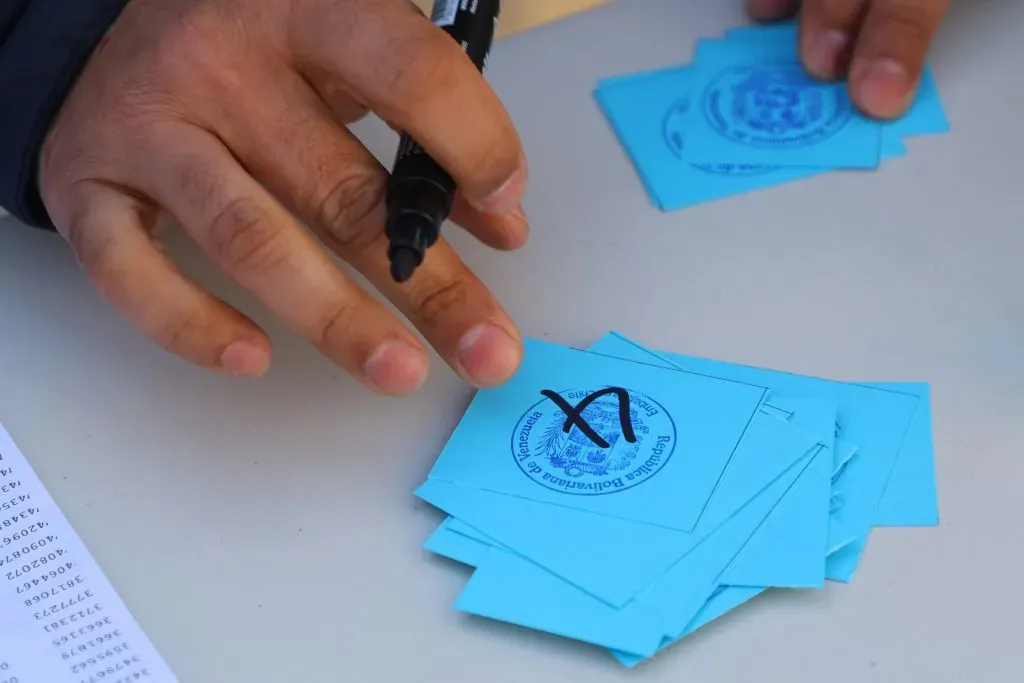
(673, 130)
(591, 442)
(775, 105)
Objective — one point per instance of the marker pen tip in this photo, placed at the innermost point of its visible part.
(404, 261)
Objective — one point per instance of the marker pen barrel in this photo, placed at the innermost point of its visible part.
(420, 193)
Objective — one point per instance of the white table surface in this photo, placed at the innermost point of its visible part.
(265, 531)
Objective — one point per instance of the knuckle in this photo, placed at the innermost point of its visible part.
(423, 69)
(190, 42)
(242, 236)
(194, 172)
(347, 204)
(334, 328)
(94, 253)
(180, 329)
(435, 305)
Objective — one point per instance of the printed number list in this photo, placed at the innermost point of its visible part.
(60, 619)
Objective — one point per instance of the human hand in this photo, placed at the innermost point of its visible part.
(878, 45)
(228, 116)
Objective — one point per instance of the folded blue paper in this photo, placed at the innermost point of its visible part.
(649, 114)
(650, 111)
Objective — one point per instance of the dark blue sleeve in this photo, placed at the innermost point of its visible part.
(43, 46)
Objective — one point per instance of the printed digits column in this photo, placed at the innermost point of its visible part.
(23, 534)
(55, 599)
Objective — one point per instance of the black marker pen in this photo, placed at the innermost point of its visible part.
(420, 192)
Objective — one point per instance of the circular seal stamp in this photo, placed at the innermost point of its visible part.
(774, 105)
(673, 127)
(572, 462)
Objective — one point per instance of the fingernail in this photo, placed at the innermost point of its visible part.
(884, 89)
(826, 50)
(520, 232)
(396, 368)
(488, 356)
(245, 359)
(519, 212)
(506, 198)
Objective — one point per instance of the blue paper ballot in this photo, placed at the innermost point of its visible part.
(589, 432)
(648, 114)
(911, 497)
(518, 591)
(926, 115)
(877, 420)
(754, 103)
(611, 558)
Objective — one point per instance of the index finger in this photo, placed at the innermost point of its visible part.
(414, 75)
(890, 54)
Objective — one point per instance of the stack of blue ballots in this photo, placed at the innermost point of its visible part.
(745, 115)
(625, 497)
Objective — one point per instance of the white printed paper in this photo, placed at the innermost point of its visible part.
(60, 619)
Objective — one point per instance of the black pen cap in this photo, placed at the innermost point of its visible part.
(419, 200)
